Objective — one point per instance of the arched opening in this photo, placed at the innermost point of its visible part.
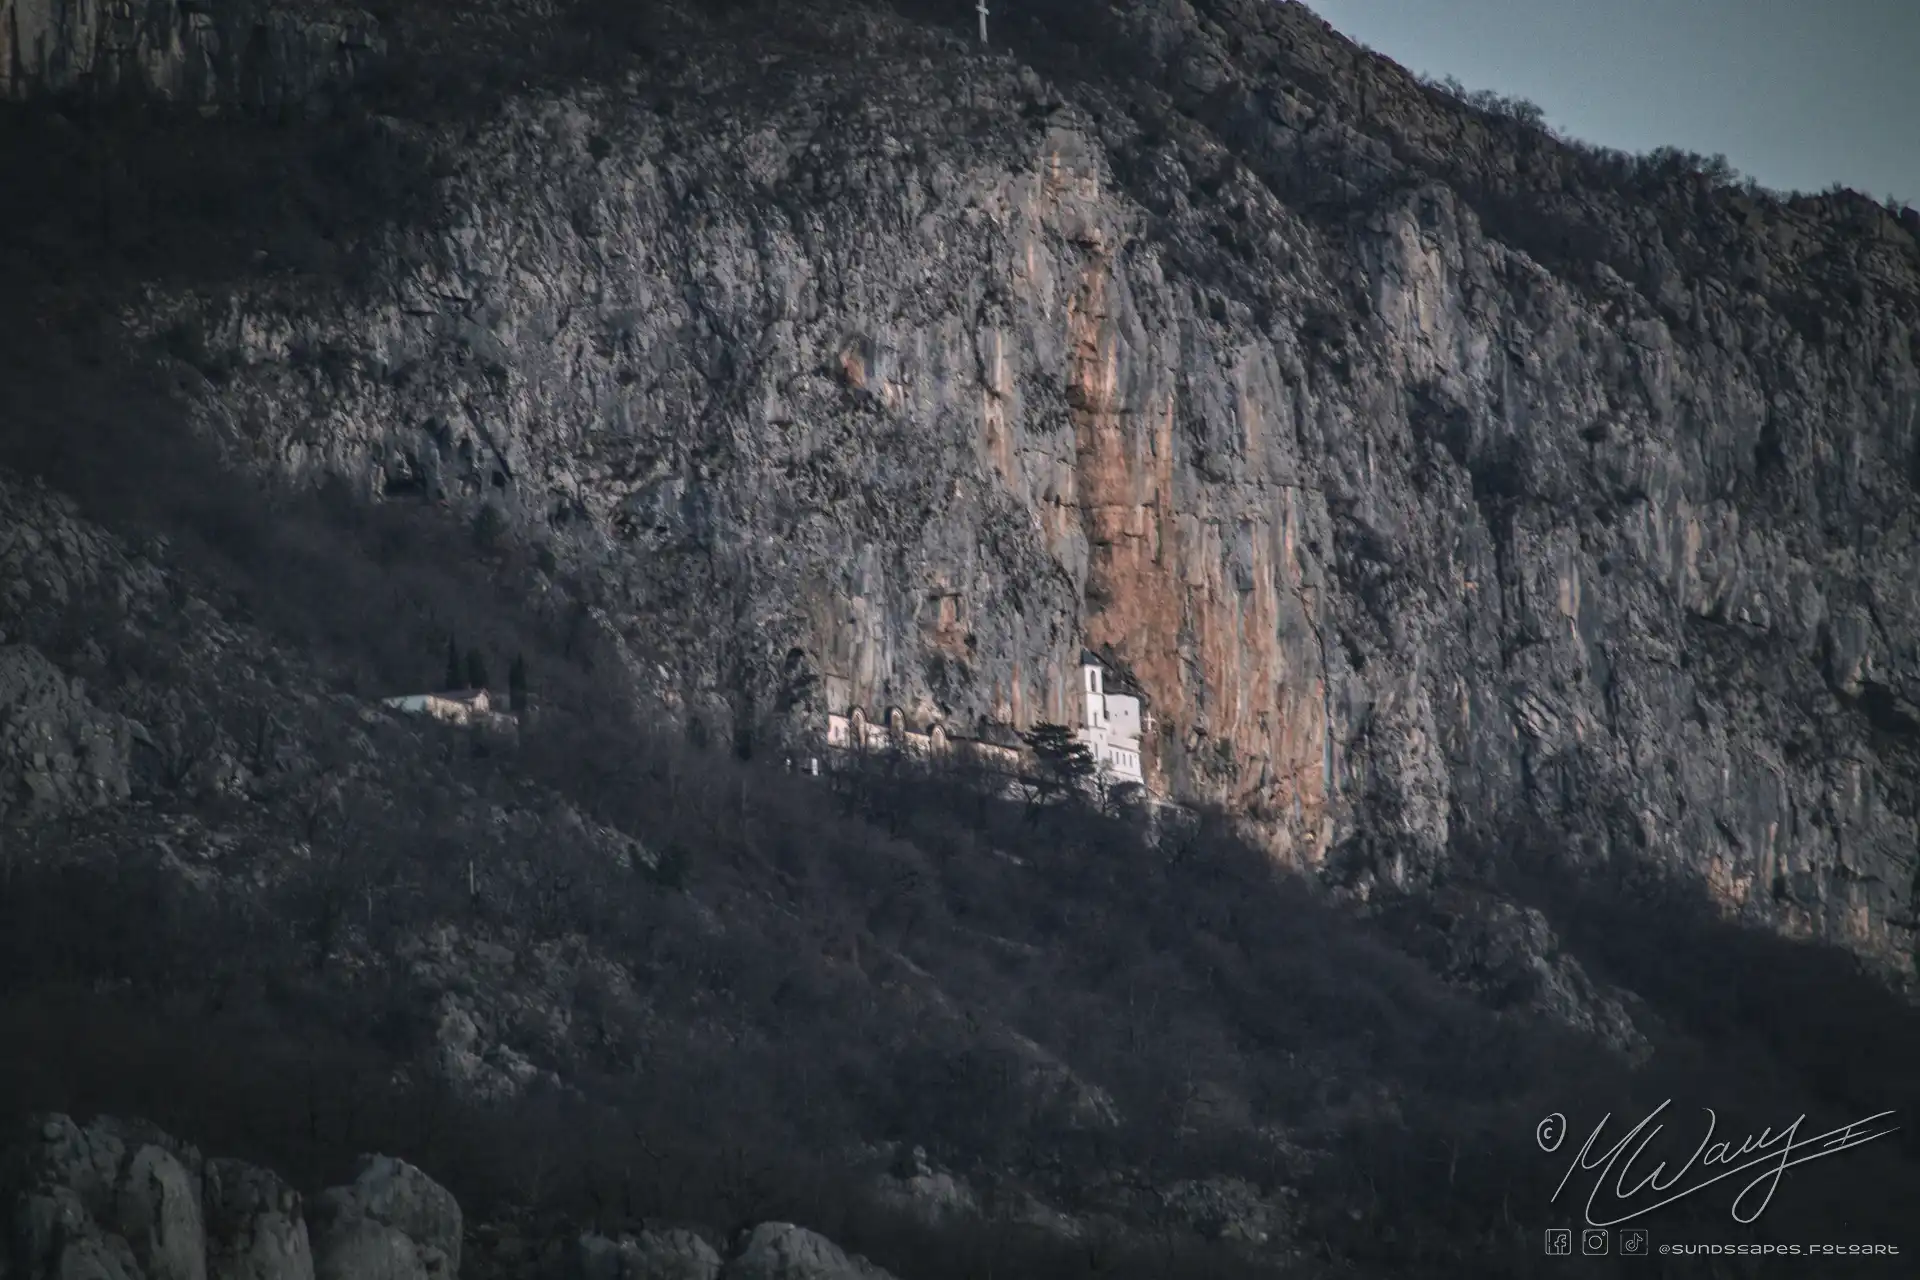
(857, 728)
(937, 737)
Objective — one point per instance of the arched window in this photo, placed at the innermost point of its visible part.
(857, 728)
(938, 738)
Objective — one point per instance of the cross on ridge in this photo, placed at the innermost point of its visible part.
(983, 21)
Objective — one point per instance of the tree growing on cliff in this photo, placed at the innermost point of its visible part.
(489, 527)
(1065, 761)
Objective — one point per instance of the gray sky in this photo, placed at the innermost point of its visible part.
(1799, 94)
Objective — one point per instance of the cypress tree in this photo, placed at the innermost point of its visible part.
(476, 670)
(456, 675)
(517, 684)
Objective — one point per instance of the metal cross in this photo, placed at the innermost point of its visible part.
(983, 21)
(1148, 723)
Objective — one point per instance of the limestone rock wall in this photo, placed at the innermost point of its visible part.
(203, 53)
(58, 752)
(1427, 475)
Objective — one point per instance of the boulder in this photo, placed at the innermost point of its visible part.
(782, 1251)
(255, 1228)
(354, 1248)
(120, 1200)
(51, 1233)
(392, 1223)
(104, 1200)
(157, 1212)
(652, 1255)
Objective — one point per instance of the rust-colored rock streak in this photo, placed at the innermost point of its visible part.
(1160, 593)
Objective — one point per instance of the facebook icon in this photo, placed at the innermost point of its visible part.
(1559, 1242)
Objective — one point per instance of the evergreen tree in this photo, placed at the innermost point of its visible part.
(476, 670)
(456, 674)
(1064, 759)
(517, 684)
(489, 527)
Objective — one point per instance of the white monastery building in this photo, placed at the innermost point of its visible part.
(467, 707)
(1109, 725)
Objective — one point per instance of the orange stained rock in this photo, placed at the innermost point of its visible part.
(1159, 587)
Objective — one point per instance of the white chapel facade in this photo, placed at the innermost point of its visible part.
(1109, 725)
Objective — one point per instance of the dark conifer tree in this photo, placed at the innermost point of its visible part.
(1064, 759)
(517, 684)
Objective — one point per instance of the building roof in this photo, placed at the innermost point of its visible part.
(1116, 676)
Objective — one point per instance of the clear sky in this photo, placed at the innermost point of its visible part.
(1799, 94)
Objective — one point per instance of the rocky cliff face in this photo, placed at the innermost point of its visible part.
(1427, 474)
(120, 1198)
(201, 53)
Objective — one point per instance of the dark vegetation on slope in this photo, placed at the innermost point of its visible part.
(135, 193)
(270, 1021)
(130, 998)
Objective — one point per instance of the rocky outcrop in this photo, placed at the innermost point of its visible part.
(782, 1251)
(255, 1227)
(111, 1199)
(651, 1255)
(490, 1004)
(1227, 1209)
(122, 1201)
(392, 1223)
(58, 752)
(146, 671)
(258, 54)
(770, 1251)
(119, 1185)
(1425, 473)
(1509, 956)
(916, 1188)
